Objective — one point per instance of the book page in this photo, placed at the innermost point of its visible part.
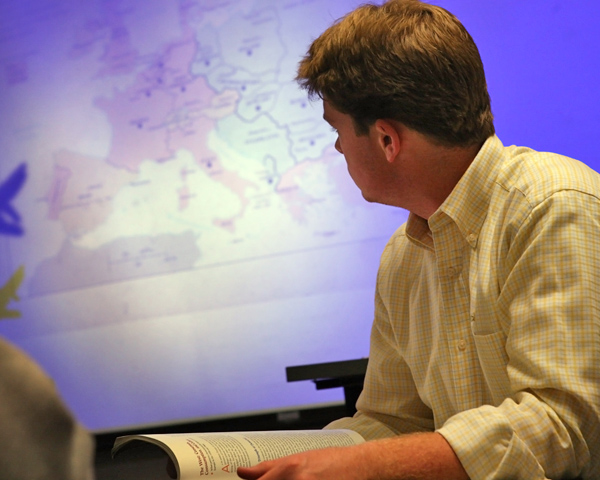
(218, 455)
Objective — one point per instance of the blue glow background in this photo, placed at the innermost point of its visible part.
(541, 59)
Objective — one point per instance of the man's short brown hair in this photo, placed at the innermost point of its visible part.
(404, 60)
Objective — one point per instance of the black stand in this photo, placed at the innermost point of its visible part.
(349, 374)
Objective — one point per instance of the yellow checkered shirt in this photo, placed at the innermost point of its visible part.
(487, 321)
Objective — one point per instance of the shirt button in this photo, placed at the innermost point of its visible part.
(471, 237)
(462, 345)
(451, 271)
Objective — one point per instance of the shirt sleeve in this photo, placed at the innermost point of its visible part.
(549, 309)
(389, 403)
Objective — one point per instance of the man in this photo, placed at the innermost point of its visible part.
(485, 348)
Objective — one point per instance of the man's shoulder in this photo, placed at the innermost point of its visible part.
(407, 242)
(538, 175)
(397, 238)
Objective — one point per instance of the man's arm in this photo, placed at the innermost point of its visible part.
(418, 456)
(542, 358)
(389, 404)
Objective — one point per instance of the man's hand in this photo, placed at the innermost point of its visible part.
(326, 464)
(419, 456)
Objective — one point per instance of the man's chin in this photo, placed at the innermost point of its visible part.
(372, 198)
(368, 198)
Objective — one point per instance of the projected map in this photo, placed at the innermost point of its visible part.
(184, 206)
(206, 139)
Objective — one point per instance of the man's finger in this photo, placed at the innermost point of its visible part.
(253, 473)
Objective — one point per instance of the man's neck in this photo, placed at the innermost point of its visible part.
(448, 165)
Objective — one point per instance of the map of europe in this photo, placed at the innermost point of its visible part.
(207, 136)
(163, 169)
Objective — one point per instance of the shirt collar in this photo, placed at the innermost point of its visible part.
(468, 203)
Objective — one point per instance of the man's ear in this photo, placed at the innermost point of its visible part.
(388, 137)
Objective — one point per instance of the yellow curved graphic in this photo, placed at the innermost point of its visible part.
(9, 292)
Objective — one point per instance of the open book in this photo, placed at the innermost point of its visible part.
(218, 455)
